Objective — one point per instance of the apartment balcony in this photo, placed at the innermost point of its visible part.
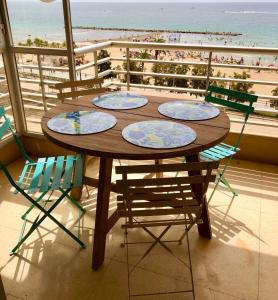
(239, 262)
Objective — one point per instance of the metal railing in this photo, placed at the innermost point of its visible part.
(209, 64)
(158, 46)
(44, 99)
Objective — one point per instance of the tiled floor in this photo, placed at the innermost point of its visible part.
(240, 262)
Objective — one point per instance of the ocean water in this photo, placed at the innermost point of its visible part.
(257, 22)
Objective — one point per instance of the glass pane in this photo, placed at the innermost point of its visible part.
(37, 97)
(39, 23)
(4, 91)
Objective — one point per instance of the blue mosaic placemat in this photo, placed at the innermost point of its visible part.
(189, 110)
(82, 122)
(159, 134)
(120, 100)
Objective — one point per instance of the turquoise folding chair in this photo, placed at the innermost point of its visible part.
(238, 102)
(60, 173)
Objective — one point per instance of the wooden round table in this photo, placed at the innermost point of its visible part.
(111, 145)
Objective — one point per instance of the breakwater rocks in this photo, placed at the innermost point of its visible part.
(159, 30)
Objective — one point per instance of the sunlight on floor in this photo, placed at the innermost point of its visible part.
(240, 262)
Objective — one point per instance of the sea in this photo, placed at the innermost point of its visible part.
(257, 23)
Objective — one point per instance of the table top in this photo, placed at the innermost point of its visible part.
(111, 144)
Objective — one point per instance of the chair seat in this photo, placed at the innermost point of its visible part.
(218, 152)
(51, 173)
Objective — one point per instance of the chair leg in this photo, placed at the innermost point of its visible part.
(47, 213)
(226, 183)
(23, 217)
(222, 179)
(214, 189)
(80, 209)
(87, 190)
(190, 263)
(22, 238)
(158, 240)
(75, 203)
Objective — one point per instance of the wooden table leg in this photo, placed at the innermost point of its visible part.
(76, 193)
(205, 228)
(104, 187)
(159, 162)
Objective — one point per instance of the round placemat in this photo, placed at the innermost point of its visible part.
(120, 100)
(159, 134)
(189, 110)
(82, 122)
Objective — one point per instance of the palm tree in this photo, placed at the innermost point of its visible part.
(157, 52)
(221, 84)
(199, 71)
(38, 42)
(105, 66)
(158, 68)
(144, 54)
(180, 82)
(29, 43)
(171, 69)
(243, 87)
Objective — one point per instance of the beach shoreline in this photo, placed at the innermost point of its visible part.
(221, 33)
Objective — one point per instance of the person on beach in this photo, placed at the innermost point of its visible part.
(257, 64)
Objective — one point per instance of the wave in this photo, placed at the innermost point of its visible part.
(247, 12)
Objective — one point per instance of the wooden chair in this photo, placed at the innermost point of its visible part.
(164, 201)
(240, 102)
(74, 89)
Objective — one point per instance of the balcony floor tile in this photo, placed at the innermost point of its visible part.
(240, 262)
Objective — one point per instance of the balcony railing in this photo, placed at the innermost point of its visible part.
(184, 47)
(42, 76)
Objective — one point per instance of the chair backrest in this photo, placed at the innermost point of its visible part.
(232, 99)
(5, 127)
(170, 195)
(74, 89)
(238, 101)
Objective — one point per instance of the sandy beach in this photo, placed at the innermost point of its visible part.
(261, 89)
(179, 56)
(182, 56)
